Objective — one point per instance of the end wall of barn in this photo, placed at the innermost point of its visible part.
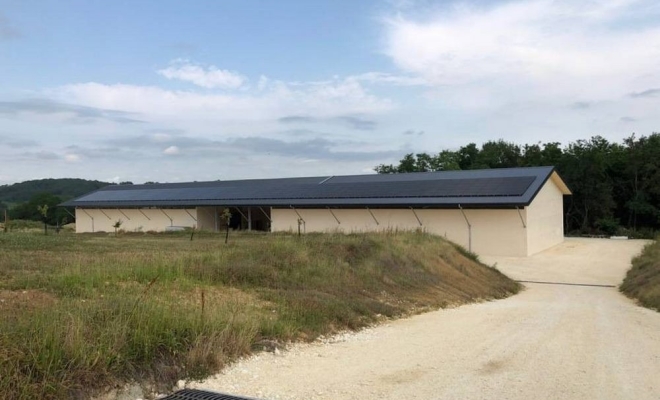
(545, 219)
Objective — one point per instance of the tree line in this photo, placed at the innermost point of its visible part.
(616, 186)
(38, 199)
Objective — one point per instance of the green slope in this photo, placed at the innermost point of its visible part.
(65, 189)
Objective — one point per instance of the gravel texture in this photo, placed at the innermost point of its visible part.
(550, 341)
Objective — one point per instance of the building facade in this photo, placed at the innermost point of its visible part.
(509, 212)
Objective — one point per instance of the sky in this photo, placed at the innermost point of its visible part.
(172, 91)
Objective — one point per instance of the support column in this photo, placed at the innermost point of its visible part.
(168, 217)
(521, 217)
(92, 218)
(469, 228)
(334, 216)
(373, 216)
(419, 221)
(249, 219)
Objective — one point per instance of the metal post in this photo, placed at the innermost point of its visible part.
(122, 213)
(249, 218)
(373, 216)
(217, 227)
(521, 218)
(265, 214)
(418, 220)
(168, 217)
(333, 214)
(145, 215)
(469, 228)
(240, 212)
(68, 212)
(92, 218)
(300, 218)
(297, 213)
(191, 216)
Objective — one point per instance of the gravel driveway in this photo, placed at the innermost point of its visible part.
(550, 341)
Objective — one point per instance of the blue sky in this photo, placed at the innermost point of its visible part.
(204, 90)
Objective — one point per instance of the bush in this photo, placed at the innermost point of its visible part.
(642, 281)
(609, 226)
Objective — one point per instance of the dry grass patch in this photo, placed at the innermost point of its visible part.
(643, 280)
(105, 310)
(18, 301)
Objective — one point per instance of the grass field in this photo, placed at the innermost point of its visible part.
(643, 280)
(80, 313)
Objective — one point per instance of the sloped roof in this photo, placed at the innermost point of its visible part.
(510, 187)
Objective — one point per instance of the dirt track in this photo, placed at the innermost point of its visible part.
(550, 341)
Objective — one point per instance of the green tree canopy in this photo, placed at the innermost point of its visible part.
(31, 209)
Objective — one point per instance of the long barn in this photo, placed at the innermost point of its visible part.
(510, 212)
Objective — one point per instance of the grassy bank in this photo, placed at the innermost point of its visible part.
(643, 280)
(90, 311)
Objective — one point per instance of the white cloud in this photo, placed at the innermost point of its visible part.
(71, 157)
(172, 150)
(390, 79)
(274, 100)
(541, 49)
(210, 77)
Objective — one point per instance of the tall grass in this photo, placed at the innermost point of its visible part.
(643, 280)
(83, 312)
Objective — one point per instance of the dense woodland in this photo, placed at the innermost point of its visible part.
(616, 186)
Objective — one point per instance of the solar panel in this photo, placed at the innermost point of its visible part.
(455, 186)
(440, 188)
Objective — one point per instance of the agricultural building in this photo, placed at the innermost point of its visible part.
(511, 212)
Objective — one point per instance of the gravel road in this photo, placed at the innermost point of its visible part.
(550, 341)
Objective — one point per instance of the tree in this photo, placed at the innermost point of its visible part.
(447, 160)
(385, 169)
(498, 154)
(408, 164)
(226, 215)
(29, 210)
(467, 156)
(43, 210)
(586, 171)
(117, 225)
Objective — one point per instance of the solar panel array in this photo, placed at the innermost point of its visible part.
(480, 187)
(515, 186)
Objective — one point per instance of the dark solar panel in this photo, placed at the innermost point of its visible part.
(480, 187)
(503, 186)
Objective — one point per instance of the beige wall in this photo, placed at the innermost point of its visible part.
(206, 218)
(132, 219)
(545, 219)
(494, 232)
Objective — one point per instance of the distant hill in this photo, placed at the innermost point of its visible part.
(66, 188)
